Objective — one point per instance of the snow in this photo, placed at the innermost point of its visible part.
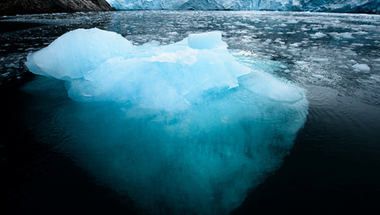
(186, 124)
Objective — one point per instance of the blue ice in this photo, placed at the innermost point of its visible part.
(183, 128)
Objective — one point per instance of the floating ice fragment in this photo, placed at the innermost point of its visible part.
(344, 35)
(343, 66)
(318, 35)
(317, 76)
(301, 63)
(5, 74)
(362, 67)
(292, 21)
(295, 44)
(376, 77)
(320, 60)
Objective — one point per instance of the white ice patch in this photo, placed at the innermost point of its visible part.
(320, 60)
(342, 66)
(318, 35)
(362, 67)
(187, 56)
(376, 78)
(317, 76)
(212, 40)
(345, 35)
(61, 60)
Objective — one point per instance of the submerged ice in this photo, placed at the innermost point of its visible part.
(183, 128)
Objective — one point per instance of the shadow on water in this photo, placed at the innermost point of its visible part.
(16, 26)
(333, 166)
(330, 169)
(37, 180)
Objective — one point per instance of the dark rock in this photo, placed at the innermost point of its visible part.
(12, 7)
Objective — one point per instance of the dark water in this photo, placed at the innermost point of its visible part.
(333, 167)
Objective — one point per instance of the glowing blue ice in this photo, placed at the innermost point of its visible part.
(180, 129)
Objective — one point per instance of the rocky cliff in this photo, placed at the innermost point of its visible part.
(11, 7)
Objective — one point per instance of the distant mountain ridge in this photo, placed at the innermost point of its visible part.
(12, 7)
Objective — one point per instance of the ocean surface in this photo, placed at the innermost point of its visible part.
(333, 166)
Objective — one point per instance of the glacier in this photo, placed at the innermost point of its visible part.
(353, 6)
(184, 128)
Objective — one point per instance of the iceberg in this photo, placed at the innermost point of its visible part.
(355, 6)
(184, 128)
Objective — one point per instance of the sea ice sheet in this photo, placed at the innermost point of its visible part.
(358, 6)
(180, 129)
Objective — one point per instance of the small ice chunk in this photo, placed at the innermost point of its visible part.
(292, 21)
(320, 60)
(376, 77)
(343, 66)
(362, 67)
(364, 59)
(367, 26)
(301, 63)
(357, 44)
(5, 74)
(295, 45)
(211, 40)
(344, 35)
(318, 35)
(267, 41)
(317, 76)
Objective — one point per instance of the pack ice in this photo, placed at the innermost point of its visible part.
(356, 6)
(180, 129)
